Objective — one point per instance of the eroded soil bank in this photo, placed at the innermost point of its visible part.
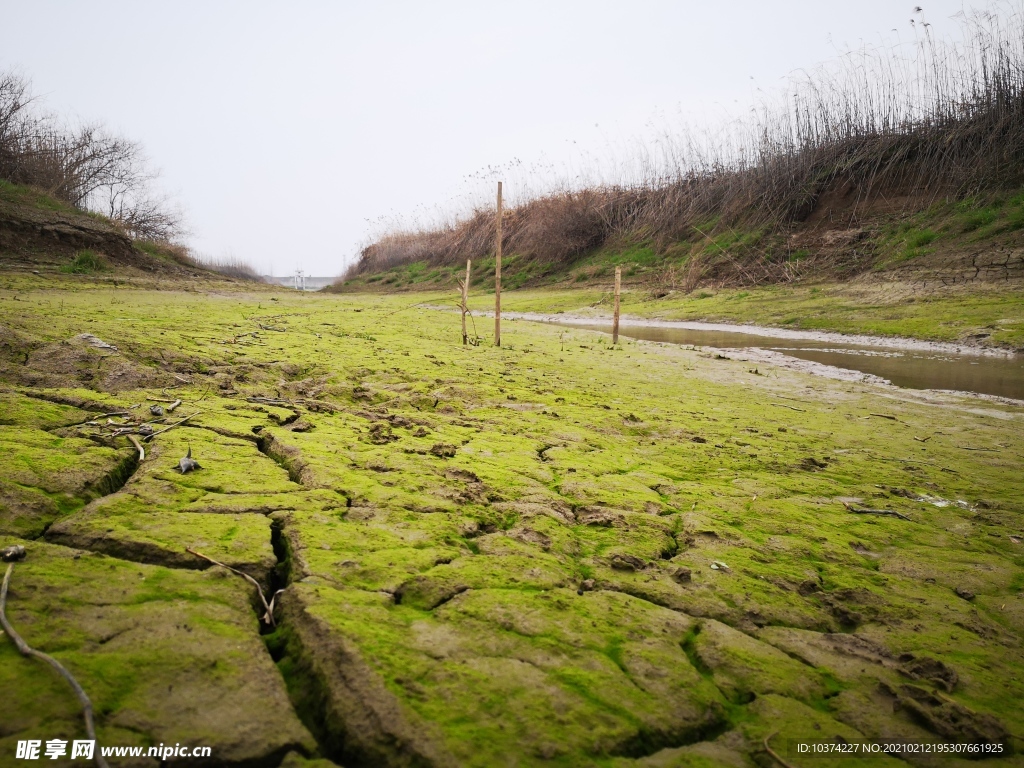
(552, 553)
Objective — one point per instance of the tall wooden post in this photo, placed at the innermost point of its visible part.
(497, 276)
(465, 298)
(615, 322)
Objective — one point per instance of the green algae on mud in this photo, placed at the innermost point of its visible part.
(165, 656)
(557, 552)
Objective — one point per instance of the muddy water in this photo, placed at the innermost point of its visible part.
(912, 368)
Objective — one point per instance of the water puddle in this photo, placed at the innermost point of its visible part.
(919, 367)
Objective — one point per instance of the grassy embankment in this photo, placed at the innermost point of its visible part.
(892, 174)
(903, 294)
(559, 551)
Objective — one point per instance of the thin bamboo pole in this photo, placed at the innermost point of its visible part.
(497, 276)
(465, 299)
(615, 322)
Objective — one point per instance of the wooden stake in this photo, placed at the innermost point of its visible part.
(615, 322)
(465, 297)
(497, 276)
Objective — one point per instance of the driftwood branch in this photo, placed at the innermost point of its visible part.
(25, 650)
(269, 401)
(772, 752)
(173, 403)
(172, 426)
(884, 512)
(138, 446)
(268, 616)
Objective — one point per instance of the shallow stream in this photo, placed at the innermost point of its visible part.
(914, 365)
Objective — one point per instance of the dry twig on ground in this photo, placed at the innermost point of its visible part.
(25, 650)
(268, 616)
(883, 512)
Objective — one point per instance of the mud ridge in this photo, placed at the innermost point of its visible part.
(358, 722)
(288, 457)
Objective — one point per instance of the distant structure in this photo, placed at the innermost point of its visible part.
(300, 281)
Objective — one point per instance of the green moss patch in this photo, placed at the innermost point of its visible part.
(165, 656)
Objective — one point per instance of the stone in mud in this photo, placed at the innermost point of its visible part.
(12, 553)
(627, 563)
(165, 656)
(187, 464)
(682, 575)
(964, 593)
(531, 536)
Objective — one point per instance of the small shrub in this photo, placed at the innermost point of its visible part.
(1015, 220)
(921, 238)
(85, 263)
(977, 219)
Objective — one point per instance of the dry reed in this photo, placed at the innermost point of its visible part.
(903, 126)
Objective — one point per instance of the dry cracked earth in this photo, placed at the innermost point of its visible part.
(553, 553)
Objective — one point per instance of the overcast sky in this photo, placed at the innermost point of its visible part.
(286, 130)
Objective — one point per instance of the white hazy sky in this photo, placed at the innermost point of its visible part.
(287, 129)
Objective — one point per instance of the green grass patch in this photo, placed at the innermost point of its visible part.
(85, 263)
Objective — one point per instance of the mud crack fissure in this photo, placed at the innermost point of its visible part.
(278, 578)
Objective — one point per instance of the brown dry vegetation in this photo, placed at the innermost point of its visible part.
(884, 130)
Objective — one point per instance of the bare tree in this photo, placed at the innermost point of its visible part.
(86, 166)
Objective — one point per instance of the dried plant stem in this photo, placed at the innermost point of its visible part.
(772, 752)
(175, 424)
(268, 616)
(25, 650)
(138, 446)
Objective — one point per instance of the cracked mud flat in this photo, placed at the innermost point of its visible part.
(551, 553)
